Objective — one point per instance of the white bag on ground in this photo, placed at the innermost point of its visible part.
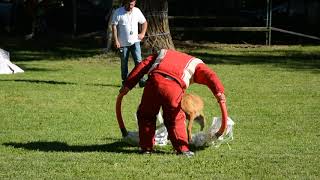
(204, 138)
(161, 136)
(6, 66)
(200, 139)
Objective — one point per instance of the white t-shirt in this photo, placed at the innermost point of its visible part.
(127, 25)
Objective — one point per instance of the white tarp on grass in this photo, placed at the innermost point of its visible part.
(6, 66)
(200, 139)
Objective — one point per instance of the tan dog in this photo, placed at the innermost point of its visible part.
(192, 105)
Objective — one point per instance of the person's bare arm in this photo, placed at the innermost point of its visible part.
(115, 36)
(143, 30)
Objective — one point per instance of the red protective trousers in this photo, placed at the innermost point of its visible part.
(166, 93)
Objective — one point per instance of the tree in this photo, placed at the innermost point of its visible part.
(158, 32)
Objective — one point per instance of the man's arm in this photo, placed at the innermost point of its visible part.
(115, 36)
(143, 30)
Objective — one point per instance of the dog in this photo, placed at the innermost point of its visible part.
(192, 105)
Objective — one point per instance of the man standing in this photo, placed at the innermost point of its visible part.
(126, 35)
(170, 73)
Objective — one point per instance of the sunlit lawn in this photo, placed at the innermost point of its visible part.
(57, 120)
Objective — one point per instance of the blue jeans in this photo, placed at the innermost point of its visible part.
(135, 51)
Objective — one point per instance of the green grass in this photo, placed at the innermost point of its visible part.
(58, 118)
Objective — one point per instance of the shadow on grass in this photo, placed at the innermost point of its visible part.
(292, 59)
(282, 56)
(58, 82)
(68, 48)
(56, 146)
(39, 81)
(50, 48)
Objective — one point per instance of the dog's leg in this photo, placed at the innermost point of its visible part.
(200, 119)
(190, 124)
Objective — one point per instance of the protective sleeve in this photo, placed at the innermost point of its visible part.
(139, 71)
(204, 75)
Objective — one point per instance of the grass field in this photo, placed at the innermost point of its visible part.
(57, 120)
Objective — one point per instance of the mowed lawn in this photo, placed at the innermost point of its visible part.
(57, 120)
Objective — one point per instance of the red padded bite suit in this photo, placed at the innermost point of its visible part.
(170, 73)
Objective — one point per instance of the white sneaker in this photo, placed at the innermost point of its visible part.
(188, 154)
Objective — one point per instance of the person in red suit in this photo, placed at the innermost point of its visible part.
(170, 73)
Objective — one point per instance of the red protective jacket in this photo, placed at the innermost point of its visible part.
(183, 68)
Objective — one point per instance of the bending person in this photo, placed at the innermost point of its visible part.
(170, 73)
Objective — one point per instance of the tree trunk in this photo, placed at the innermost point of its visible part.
(109, 30)
(158, 32)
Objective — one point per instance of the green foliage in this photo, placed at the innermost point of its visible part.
(57, 120)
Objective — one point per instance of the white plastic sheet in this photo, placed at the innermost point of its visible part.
(6, 66)
(204, 138)
(161, 136)
(200, 139)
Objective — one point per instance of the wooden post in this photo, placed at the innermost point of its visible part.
(74, 17)
(109, 31)
(268, 23)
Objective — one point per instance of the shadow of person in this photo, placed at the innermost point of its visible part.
(56, 146)
(53, 82)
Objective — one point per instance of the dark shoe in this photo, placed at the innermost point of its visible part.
(188, 154)
(148, 152)
(142, 84)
